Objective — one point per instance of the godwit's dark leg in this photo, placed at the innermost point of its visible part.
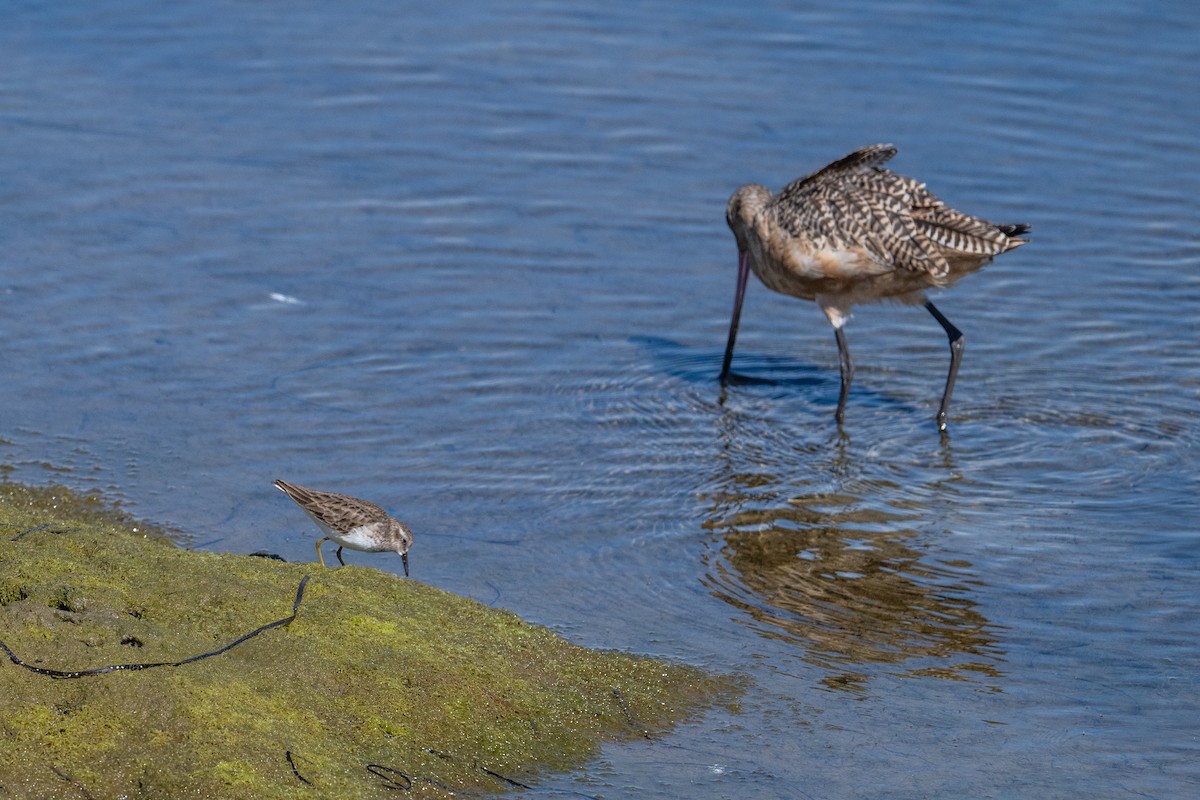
(847, 372)
(743, 275)
(956, 350)
(343, 563)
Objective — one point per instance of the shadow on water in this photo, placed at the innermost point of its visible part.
(780, 376)
(702, 366)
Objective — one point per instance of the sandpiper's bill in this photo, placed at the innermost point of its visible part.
(351, 523)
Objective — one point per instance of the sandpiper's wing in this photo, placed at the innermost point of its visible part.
(856, 203)
(340, 512)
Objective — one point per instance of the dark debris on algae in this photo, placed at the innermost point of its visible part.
(378, 684)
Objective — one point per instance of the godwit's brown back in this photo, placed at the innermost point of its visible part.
(856, 227)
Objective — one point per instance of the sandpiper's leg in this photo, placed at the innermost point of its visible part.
(847, 372)
(743, 276)
(956, 349)
(343, 563)
(320, 557)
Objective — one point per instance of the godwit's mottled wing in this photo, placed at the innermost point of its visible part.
(862, 161)
(338, 511)
(954, 230)
(855, 203)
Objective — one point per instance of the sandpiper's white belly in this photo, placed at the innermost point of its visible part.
(367, 538)
(363, 537)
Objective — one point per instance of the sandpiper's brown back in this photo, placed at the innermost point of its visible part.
(339, 511)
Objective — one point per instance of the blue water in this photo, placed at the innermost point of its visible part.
(469, 261)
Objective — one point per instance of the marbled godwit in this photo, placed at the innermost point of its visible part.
(351, 523)
(855, 232)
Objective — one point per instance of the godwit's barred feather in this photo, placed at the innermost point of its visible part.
(896, 221)
(855, 232)
(1014, 230)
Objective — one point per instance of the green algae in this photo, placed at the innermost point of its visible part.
(378, 683)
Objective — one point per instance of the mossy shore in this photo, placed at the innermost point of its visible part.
(377, 684)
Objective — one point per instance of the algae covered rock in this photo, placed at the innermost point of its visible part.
(360, 684)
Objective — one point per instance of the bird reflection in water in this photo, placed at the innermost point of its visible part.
(847, 576)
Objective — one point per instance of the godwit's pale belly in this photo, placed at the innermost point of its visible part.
(850, 274)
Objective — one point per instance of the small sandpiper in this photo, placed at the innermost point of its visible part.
(351, 523)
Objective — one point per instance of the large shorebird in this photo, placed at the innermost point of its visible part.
(855, 232)
(351, 523)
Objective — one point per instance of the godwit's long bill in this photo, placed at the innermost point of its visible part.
(855, 232)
